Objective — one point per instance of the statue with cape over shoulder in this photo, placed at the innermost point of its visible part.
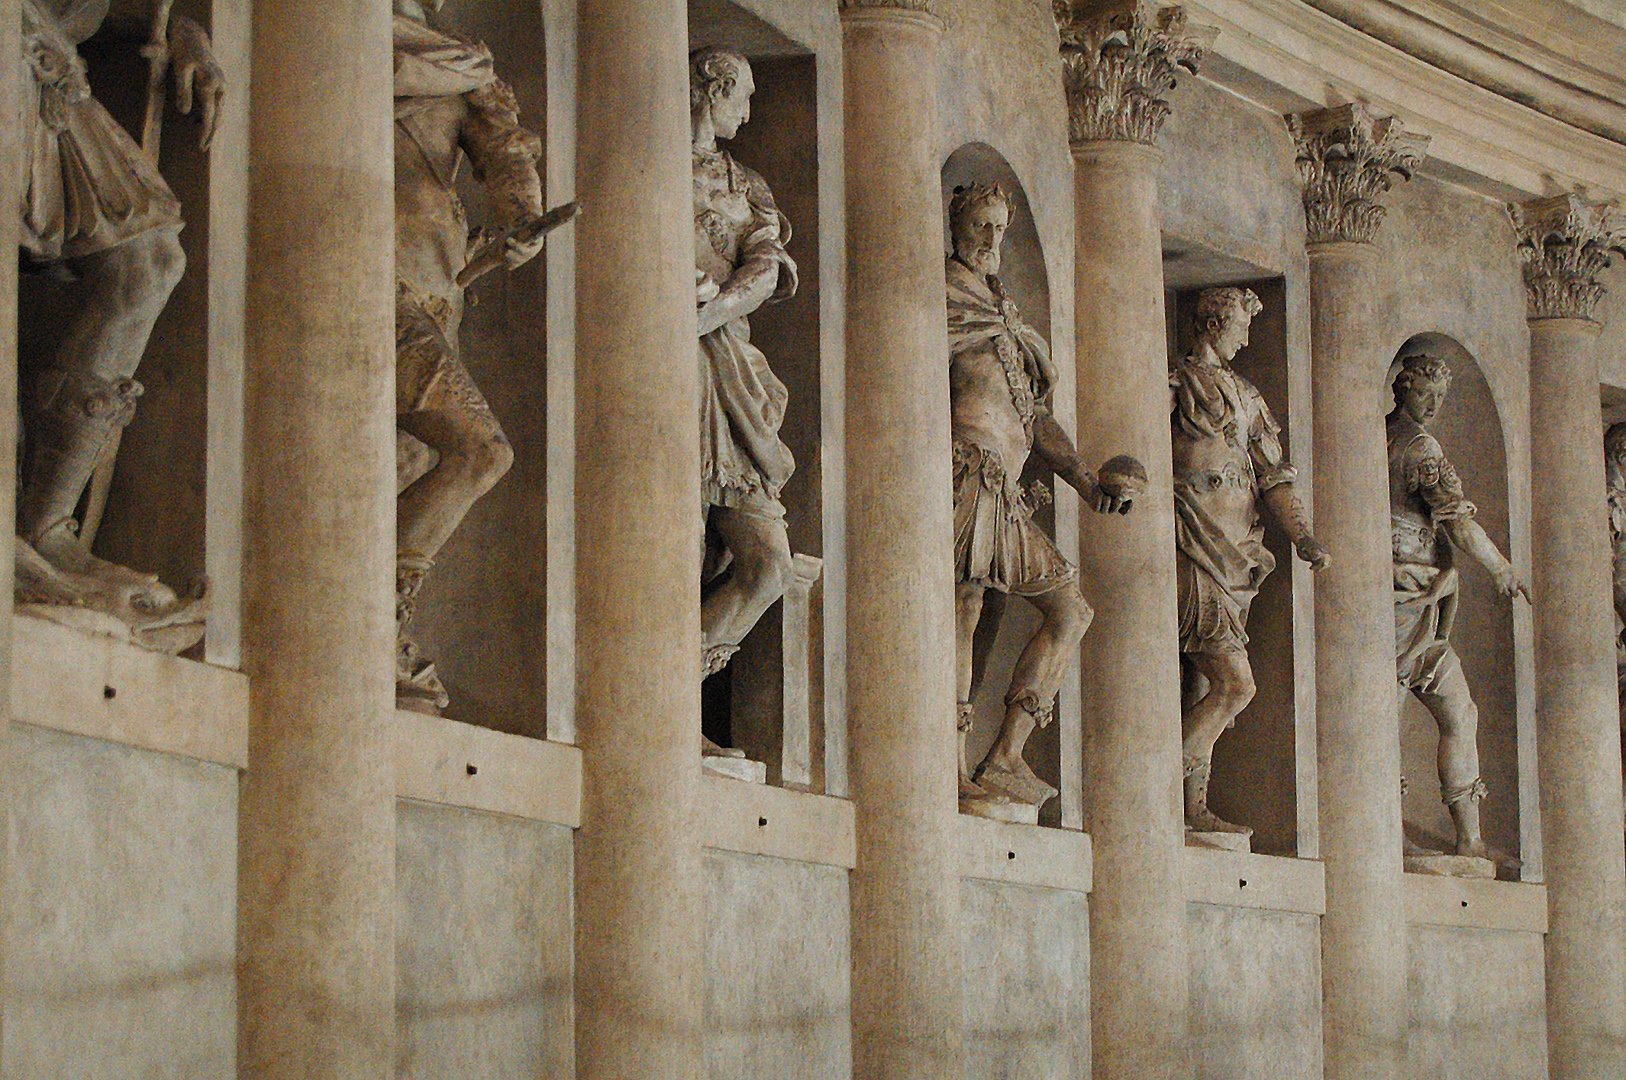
(1001, 381)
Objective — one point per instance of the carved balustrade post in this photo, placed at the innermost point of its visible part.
(1565, 244)
(908, 967)
(1119, 59)
(1347, 158)
(639, 904)
(316, 828)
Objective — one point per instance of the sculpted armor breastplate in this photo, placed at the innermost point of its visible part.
(721, 215)
(1411, 520)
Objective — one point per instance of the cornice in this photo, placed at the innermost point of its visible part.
(1287, 56)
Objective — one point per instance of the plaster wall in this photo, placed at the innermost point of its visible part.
(1027, 982)
(1255, 993)
(484, 945)
(1478, 1008)
(122, 934)
(777, 960)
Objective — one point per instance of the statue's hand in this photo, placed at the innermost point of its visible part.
(519, 249)
(196, 70)
(1312, 552)
(1120, 481)
(705, 289)
(1508, 583)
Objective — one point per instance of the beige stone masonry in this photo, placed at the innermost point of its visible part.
(1266, 882)
(1025, 855)
(754, 819)
(455, 764)
(1470, 903)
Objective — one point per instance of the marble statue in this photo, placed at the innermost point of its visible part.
(1431, 517)
(449, 105)
(1228, 465)
(740, 264)
(1614, 459)
(1001, 380)
(97, 212)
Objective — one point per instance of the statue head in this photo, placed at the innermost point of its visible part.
(1614, 454)
(979, 214)
(1222, 319)
(720, 88)
(1421, 385)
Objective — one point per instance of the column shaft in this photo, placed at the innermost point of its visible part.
(1139, 1000)
(639, 940)
(1363, 937)
(1577, 721)
(316, 904)
(908, 966)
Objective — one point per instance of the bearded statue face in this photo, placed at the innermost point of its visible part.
(979, 233)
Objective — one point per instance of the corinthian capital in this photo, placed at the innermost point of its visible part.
(1118, 59)
(1347, 157)
(1565, 244)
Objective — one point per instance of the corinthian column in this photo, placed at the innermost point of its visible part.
(1565, 244)
(1118, 60)
(316, 829)
(639, 910)
(906, 939)
(1347, 159)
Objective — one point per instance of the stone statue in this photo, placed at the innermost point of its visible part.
(1614, 460)
(1000, 382)
(96, 211)
(1430, 518)
(740, 264)
(1228, 463)
(449, 104)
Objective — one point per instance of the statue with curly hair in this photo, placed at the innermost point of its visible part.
(1430, 518)
(1228, 462)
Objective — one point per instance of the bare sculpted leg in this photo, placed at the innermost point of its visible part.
(1230, 688)
(968, 605)
(454, 421)
(1033, 692)
(1461, 787)
(88, 394)
(758, 575)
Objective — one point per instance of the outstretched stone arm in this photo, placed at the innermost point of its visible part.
(1055, 448)
(1467, 534)
(1288, 509)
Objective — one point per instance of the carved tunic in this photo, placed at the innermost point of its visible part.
(449, 104)
(1227, 451)
(743, 462)
(1425, 492)
(999, 379)
(87, 185)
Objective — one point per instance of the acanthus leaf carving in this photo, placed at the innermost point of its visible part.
(1119, 59)
(1565, 243)
(1347, 158)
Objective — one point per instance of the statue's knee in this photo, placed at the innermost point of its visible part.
(165, 262)
(491, 460)
(1073, 615)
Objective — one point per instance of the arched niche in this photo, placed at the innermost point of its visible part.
(1007, 624)
(1469, 429)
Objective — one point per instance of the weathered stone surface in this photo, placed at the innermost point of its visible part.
(1119, 58)
(1347, 157)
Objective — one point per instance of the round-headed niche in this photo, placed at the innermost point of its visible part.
(1470, 432)
(1007, 624)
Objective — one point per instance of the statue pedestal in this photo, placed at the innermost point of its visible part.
(1459, 866)
(751, 772)
(1014, 813)
(1221, 841)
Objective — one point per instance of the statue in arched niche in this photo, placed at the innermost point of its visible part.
(1431, 519)
(96, 211)
(449, 105)
(1000, 383)
(1614, 460)
(1228, 463)
(740, 264)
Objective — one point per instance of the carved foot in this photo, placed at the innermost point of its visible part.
(1017, 782)
(103, 597)
(1202, 819)
(417, 684)
(711, 749)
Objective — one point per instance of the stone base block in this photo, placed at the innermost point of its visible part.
(1014, 813)
(1462, 866)
(751, 772)
(1220, 841)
